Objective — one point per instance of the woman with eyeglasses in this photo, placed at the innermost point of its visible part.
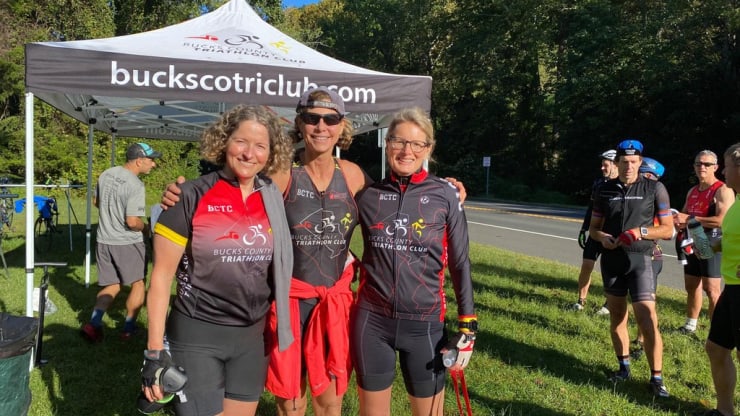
(413, 227)
(707, 202)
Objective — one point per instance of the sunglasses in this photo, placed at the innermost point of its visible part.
(313, 118)
(630, 144)
(705, 164)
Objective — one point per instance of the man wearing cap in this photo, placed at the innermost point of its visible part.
(121, 252)
(623, 221)
(591, 248)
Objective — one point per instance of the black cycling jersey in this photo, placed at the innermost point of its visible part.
(321, 226)
(594, 191)
(410, 236)
(629, 206)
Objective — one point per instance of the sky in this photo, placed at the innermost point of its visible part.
(298, 3)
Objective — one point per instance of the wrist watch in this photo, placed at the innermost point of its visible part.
(643, 232)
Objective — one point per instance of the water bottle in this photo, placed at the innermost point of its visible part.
(449, 357)
(701, 240)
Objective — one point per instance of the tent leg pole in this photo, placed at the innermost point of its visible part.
(30, 237)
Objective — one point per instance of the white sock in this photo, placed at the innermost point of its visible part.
(691, 323)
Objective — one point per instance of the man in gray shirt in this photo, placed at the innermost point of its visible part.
(121, 252)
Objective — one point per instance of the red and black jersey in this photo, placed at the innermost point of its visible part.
(623, 207)
(411, 232)
(321, 226)
(228, 251)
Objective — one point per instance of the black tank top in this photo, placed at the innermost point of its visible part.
(321, 226)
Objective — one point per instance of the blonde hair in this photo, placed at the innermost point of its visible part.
(734, 153)
(214, 138)
(345, 137)
(419, 117)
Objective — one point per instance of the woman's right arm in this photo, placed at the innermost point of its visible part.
(168, 256)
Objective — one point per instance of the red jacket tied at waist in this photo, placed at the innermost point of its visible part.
(325, 343)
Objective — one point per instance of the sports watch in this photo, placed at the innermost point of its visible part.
(643, 232)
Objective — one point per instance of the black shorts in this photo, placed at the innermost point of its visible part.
(374, 340)
(725, 328)
(627, 272)
(703, 268)
(220, 361)
(592, 250)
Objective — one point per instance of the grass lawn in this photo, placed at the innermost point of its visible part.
(532, 357)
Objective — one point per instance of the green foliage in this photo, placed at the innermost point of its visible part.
(550, 81)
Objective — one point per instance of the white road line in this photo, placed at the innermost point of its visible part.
(536, 233)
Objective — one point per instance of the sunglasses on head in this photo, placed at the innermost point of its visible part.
(705, 164)
(630, 144)
(331, 119)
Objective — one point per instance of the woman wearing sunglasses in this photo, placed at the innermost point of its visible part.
(707, 202)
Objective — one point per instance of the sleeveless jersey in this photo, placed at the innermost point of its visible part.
(731, 245)
(221, 277)
(701, 204)
(321, 226)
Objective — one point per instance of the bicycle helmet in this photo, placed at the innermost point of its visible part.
(610, 154)
(629, 147)
(652, 167)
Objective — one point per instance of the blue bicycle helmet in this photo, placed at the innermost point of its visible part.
(629, 147)
(652, 166)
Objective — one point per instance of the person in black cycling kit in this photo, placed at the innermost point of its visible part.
(623, 221)
(413, 226)
(591, 248)
(228, 243)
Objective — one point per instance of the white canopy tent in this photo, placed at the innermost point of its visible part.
(172, 82)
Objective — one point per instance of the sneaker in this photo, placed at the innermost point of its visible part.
(636, 351)
(619, 375)
(602, 311)
(713, 412)
(685, 330)
(576, 307)
(92, 333)
(656, 384)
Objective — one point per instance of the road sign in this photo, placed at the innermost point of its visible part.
(486, 161)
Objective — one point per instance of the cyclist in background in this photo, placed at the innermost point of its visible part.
(121, 252)
(592, 248)
(707, 202)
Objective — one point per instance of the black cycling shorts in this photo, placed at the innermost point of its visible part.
(220, 361)
(725, 328)
(703, 268)
(628, 273)
(374, 342)
(592, 250)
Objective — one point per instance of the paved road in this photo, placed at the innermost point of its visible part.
(545, 232)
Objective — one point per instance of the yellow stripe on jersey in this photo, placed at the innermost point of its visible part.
(171, 235)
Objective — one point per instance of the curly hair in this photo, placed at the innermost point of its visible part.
(214, 138)
(733, 152)
(345, 137)
(419, 117)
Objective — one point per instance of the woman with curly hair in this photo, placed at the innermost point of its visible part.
(228, 244)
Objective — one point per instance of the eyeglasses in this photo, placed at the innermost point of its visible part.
(705, 164)
(313, 118)
(397, 143)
